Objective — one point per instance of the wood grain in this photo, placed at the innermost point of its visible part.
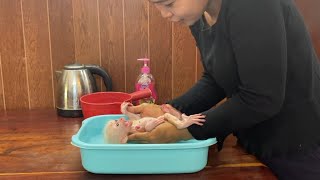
(2, 103)
(136, 39)
(184, 60)
(310, 11)
(61, 35)
(38, 53)
(36, 145)
(112, 41)
(161, 54)
(237, 173)
(86, 28)
(86, 31)
(12, 55)
(128, 29)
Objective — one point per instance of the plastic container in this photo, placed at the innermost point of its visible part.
(100, 158)
(146, 80)
(101, 103)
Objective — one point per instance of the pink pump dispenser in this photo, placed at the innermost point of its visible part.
(146, 80)
(145, 69)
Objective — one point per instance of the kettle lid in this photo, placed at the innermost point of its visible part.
(74, 66)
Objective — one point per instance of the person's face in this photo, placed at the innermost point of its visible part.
(184, 11)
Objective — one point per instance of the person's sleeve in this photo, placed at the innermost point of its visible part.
(201, 97)
(258, 37)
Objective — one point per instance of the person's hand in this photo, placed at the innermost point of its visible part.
(164, 133)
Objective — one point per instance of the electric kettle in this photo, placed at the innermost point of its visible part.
(74, 81)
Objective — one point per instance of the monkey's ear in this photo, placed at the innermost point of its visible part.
(124, 140)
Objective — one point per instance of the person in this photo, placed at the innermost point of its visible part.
(258, 55)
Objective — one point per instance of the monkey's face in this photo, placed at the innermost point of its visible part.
(121, 125)
(116, 131)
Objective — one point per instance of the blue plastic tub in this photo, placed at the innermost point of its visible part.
(97, 157)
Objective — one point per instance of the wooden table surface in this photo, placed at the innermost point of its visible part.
(36, 145)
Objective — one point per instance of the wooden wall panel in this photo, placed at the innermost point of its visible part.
(184, 64)
(161, 54)
(86, 30)
(112, 41)
(87, 35)
(2, 103)
(38, 53)
(12, 55)
(61, 35)
(111, 33)
(310, 11)
(136, 38)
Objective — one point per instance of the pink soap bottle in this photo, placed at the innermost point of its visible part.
(146, 80)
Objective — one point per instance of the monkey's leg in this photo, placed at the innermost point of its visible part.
(186, 121)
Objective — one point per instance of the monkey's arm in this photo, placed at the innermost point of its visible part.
(146, 124)
(124, 110)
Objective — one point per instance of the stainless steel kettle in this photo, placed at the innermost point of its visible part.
(74, 81)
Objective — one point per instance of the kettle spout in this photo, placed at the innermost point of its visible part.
(58, 75)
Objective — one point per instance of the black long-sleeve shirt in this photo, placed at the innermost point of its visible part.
(260, 56)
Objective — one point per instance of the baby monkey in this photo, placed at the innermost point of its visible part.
(117, 131)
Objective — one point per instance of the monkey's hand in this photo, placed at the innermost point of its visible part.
(124, 107)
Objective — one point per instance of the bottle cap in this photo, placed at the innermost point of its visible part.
(145, 69)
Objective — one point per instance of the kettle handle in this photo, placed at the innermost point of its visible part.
(94, 69)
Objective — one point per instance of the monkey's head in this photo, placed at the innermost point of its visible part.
(116, 131)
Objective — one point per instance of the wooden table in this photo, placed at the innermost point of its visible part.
(36, 145)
